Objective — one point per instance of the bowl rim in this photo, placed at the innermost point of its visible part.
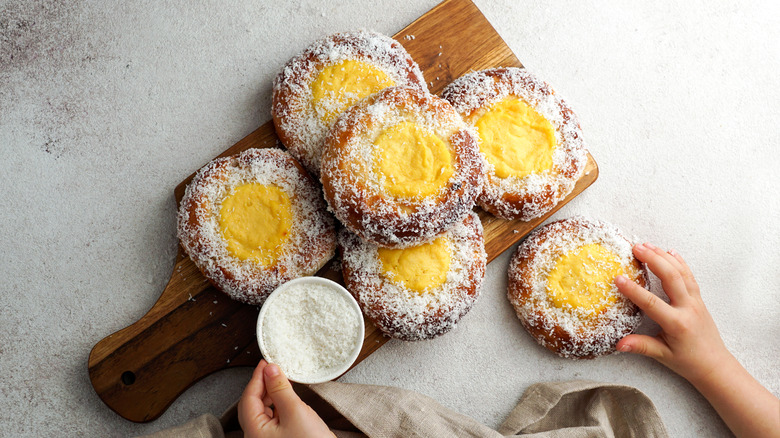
(318, 378)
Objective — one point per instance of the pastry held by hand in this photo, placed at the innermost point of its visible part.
(561, 284)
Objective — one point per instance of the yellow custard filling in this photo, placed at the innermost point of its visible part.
(338, 86)
(416, 163)
(584, 278)
(419, 267)
(516, 139)
(255, 220)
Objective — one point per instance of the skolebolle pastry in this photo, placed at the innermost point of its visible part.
(315, 87)
(253, 221)
(419, 292)
(401, 167)
(529, 136)
(561, 284)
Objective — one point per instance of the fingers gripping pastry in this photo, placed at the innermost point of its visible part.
(401, 167)
(253, 221)
(561, 284)
(315, 87)
(529, 136)
(419, 292)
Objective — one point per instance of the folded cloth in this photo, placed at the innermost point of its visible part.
(555, 409)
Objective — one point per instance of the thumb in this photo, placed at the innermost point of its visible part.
(644, 345)
(280, 391)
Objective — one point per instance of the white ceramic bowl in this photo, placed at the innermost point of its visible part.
(318, 377)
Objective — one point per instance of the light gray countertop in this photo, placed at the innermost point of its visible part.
(105, 108)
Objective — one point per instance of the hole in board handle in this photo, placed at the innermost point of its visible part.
(128, 378)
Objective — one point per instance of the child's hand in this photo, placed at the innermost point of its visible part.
(689, 343)
(270, 408)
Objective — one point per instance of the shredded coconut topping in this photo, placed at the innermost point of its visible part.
(354, 189)
(410, 315)
(571, 332)
(533, 195)
(312, 239)
(297, 123)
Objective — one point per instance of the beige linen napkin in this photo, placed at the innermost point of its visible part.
(556, 409)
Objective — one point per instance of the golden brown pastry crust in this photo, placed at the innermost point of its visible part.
(312, 239)
(297, 125)
(534, 195)
(349, 182)
(569, 333)
(409, 315)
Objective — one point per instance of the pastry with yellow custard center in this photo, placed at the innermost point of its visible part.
(332, 74)
(528, 135)
(418, 292)
(400, 167)
(253, 221)
(561, 284)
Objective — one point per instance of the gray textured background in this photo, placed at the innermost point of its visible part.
(105, 108)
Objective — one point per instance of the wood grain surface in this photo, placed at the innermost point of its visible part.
(194, 330)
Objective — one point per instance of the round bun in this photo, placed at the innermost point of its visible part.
(402, 312)
(302, 243)
(314, 87)
(561, 286)
(401, 167)
(529, 193)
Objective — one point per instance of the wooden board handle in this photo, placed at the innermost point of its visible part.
(140, 370)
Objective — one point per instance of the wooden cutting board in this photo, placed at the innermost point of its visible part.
(194, 330)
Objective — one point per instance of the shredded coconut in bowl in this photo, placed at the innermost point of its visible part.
(311, 329)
